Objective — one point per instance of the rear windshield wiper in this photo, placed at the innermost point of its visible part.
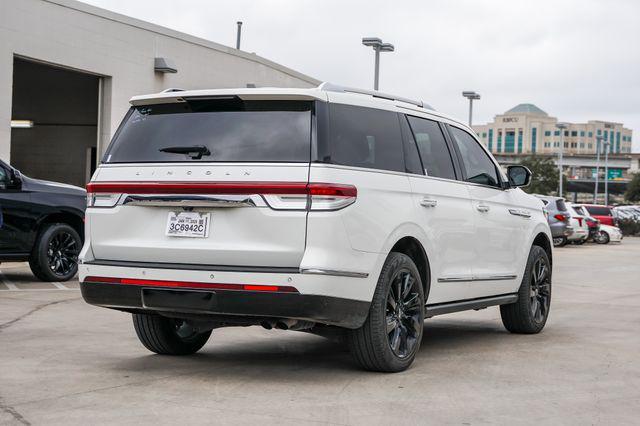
(196, 151)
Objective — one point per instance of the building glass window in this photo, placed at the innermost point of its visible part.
(617, 141)
(581, 145)
(534, 133)
(509, 141)
(484, 135)
(556, 133)
(574, 133)
(499, 140)
(599, 132)
(519, 141)
(582, 133)
(566, 133)
(491, 140)
(590, 134)
(547, 132)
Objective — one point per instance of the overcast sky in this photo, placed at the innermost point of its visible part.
(578, 60)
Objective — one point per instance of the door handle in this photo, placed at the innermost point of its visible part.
(483, 208)
(428, 202)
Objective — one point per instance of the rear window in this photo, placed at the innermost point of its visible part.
(214, 130)
(561, 205)
(599, 211)
(363, 137)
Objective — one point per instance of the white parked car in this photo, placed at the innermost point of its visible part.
(308, 209)
(579, 224)
(608, 234)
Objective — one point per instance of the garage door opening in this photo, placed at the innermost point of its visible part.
(54, 122)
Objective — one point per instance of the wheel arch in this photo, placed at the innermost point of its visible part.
(411, 247)
(72, 219)
(542, 240)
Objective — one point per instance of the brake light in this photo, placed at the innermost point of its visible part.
(278, 195)
(560, 217)
(579, 221)
(188, 284)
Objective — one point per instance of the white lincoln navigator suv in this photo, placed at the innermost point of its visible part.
(320, 210)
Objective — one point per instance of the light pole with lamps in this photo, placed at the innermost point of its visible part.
(471, 96)
(599, 140)
(378, 46)
(606, 172)
(560, 126)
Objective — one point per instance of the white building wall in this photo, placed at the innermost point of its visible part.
(122, 50)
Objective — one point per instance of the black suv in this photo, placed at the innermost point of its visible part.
(42, 222)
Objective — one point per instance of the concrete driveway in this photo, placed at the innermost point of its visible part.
(65, 362)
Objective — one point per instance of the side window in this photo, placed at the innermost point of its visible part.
(434, 152)
(478, 166)
(365, 137)
(411, 157)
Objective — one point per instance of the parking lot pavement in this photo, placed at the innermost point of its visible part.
(65, 362)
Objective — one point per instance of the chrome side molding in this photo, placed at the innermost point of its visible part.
(335, 273)
(477, 278)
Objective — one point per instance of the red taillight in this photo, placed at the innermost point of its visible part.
(242, 188)
(579, 221)
(560, 217)
(278, 195)
(187, 284)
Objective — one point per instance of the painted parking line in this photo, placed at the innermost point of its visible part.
(9, 284)
(51, 286)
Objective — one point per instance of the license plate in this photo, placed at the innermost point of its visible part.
(188, 224)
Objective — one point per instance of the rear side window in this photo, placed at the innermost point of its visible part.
(434, 152)
(599, 211)
(217, 130)
(478, 166)
(363, 137)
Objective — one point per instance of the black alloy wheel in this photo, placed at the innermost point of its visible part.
(403, 315)
(528, 315)
(62, 253)
(540, 290)
(55, 253)
(391, 335)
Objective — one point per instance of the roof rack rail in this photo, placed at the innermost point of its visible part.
(329, 87)
(172, 89)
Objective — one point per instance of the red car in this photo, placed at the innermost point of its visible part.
(603, 213)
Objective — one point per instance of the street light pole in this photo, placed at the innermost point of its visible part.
(560, 126)
(471, 96)
(378, 46)
(595, 191)
(606, 172)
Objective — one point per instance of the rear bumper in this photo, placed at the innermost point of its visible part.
(220, 304)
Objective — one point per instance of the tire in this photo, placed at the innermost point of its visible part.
(580, 242)
(390, 337)
(55, 254)
(602, 238)
(162, 335)
(529, 314)
(559, 241)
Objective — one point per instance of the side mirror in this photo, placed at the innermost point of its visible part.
(518, 176)
(15, 179)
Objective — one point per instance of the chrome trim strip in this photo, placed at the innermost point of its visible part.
(520, 212)
(350, 274)
(201, 201)
(477, 278)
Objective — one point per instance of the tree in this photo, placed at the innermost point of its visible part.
(633, 190)
(545, 175)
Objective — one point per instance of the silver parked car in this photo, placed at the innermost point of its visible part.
(559, 219)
